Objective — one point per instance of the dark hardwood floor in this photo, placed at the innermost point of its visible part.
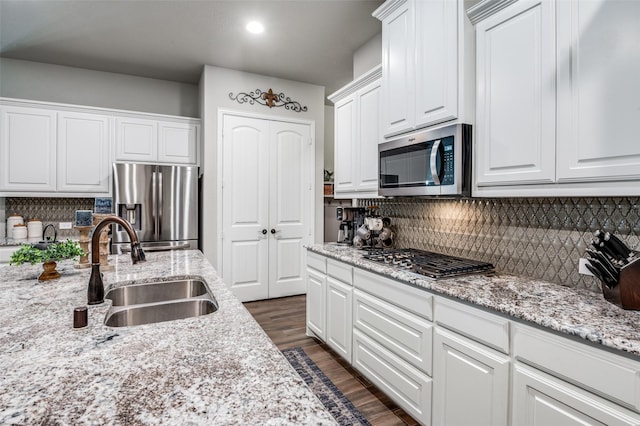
(284, 322)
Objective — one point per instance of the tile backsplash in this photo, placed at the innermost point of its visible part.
(49, 210)
(537, 237)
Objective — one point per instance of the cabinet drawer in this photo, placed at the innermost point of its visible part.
(404, 384)
(473, 323)
(411, 299)
(317, 261)
(550, 401)
(612, 376)
(340, 271)
(405, 334)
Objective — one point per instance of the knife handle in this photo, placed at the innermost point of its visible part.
(621, 246)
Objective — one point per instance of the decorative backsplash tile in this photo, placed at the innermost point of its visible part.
(537, 237)
(49, 210)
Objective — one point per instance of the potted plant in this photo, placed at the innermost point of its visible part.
(55, 252)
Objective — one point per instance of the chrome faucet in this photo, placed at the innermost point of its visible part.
(95, 292)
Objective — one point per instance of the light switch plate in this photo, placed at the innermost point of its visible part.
(64, 225)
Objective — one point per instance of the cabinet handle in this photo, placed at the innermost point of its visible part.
(264, 232)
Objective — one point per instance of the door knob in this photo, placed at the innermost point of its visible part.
(273, 231)
(264, 231)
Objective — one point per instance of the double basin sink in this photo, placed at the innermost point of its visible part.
(159, 301)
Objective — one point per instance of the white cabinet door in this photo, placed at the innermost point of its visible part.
(369, 136)
(598, 90)
(316, 302)
(136, 139)
(436, 94)
(470, 383)
(398, 70)
(345, 145)
(178, 143)
(543, 400)
(339, 322)
(515, 111)
(27, 149)
(83, 152)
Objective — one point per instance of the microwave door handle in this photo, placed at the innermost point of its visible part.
(435, 173)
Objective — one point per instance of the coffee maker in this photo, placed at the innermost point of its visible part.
(350, 218)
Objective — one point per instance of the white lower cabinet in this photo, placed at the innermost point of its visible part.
(338, 311)
(543, 400)
(316, 299)
(470, 382)
(450, 363)
(337, 308)
(404, 384)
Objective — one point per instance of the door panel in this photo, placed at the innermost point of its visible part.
(245, 206)
(289, 201)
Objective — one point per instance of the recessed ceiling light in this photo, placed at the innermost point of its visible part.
(255, 27)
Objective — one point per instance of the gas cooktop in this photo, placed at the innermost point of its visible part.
(430, 264)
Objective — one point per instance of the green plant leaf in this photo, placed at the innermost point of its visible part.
(55, 252)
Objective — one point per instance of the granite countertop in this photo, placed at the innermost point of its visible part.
(218, 369)
(580, 313)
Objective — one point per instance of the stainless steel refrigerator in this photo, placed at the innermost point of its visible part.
(160, 202)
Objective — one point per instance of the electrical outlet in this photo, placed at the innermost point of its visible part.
(64, 225)
(582, 268)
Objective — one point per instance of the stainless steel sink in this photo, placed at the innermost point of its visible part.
(159, 312)
(159, 301)
(156, 292)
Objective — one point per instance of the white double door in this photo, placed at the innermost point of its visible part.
(267, 206)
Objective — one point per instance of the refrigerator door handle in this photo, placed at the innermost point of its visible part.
(154, 203)
(159, 205)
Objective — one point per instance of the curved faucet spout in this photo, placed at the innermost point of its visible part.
(95, 292)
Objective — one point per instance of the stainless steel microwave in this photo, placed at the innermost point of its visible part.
(427, 163)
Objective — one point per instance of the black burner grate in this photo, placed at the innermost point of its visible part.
(430, 264)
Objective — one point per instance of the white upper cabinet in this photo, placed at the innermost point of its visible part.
(344, 149)
(598, 90)
(136, 139)
(427, 64)
(59, 150)
(357, 134)
(515, 126)
(557, 98)
(398, 64)
(27, 149)
(368, 99)
(178, 143)
(156, 141)
(83, 152)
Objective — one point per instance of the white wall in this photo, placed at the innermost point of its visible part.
(215, 85)
(367, 56)
(55, 83)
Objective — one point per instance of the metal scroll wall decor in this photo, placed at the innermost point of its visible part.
(269, 99)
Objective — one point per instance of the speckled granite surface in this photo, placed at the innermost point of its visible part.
(217, 369)
(575, 312)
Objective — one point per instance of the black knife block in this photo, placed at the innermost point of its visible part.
(627, 293)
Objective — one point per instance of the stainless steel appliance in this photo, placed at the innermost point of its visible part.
(160, 203)
(350, 218)
(429, 264)
(430, 162)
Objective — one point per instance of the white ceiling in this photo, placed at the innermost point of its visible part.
(305, 40)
